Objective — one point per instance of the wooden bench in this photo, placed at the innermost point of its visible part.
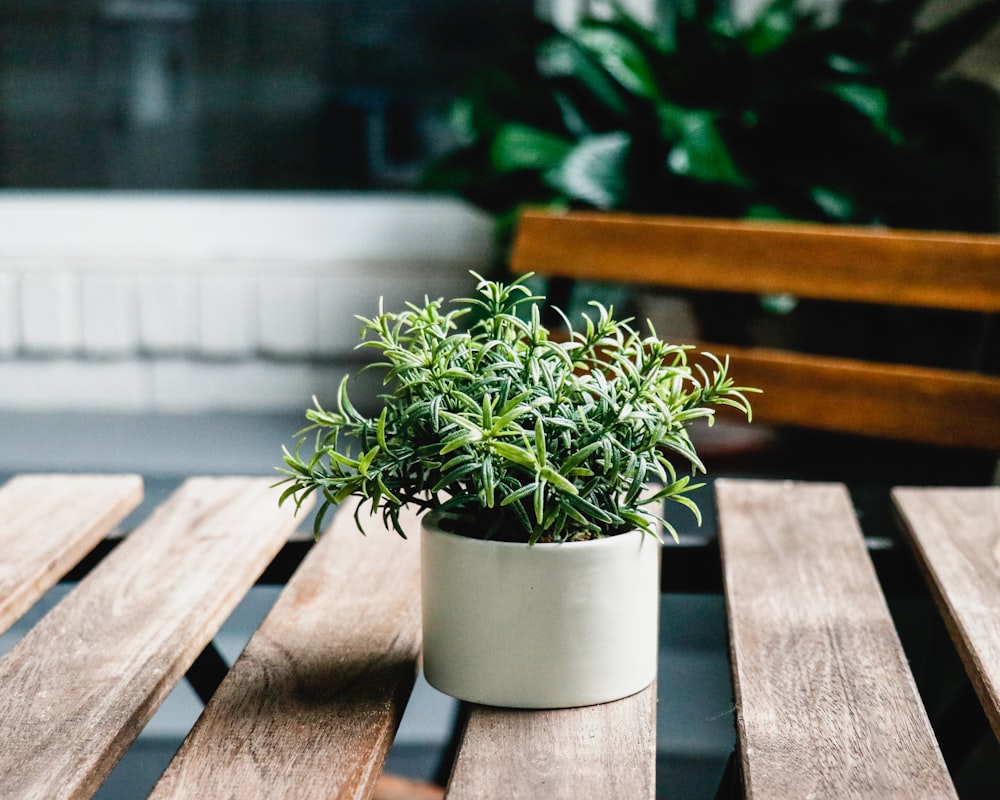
(841, 264)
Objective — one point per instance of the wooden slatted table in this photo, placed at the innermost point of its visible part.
(826, 704)
(311, 706)
(956, 536)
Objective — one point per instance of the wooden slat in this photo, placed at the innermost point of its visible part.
(601, 751)
(98, 665)
(312, 705)
(863, 264)
(826, 704)
(48, 523)
(922, 404)
(956, 535)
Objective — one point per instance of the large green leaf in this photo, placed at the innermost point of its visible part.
(835, 205)
(621, 57)
(699, 150)
(871, 102)
(518, 146)
(773, 26)
(572, 119)
(560, 57)
(594, 170)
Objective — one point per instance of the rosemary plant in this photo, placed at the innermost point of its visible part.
(508, 432)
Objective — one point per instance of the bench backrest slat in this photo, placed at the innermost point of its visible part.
(322, 684)
(836, 262)
(596, 752)
(826, 704)
(48, 523)
(99, 664)
(945, 271)
(955, 533)
(885, 400)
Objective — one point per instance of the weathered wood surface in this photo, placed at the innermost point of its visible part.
(311, 707)
(47, 524)
(826, 704)
(835, 262)
(592, 753)
(955, 533)
(83, 682)
(919, 404)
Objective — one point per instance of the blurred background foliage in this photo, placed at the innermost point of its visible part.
(846, 114)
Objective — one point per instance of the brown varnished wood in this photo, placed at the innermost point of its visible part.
(48, 523)
(839, 263)
(826, 705)
(396, 787)
(862, 264)
(919, 404)
(310, 708)
(955, 533)
(590, 753)
(80, 686)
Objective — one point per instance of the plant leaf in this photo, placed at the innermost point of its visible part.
(699, 150)
(560, 57)
(521, 147)
(517, 455)
(620, 57)
(593, 171)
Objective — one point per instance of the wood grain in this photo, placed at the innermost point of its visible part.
(83, 682)
(917, 404)
(311, 707)
(826, 704)
(48, 523)
(955, 533)
(830, 262)
(863, 264)
(590, 753)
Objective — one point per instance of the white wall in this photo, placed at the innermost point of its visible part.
(186, 302)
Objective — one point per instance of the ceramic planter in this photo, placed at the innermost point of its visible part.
(545, 626)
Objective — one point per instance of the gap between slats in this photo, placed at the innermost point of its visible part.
(312, 705)
(826, 704)
(81, 685)
(955, 533)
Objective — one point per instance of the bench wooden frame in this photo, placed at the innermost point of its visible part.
(840, 263)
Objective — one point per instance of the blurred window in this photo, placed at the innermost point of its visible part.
(236, 94)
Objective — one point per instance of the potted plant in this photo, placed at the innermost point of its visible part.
(542, 465)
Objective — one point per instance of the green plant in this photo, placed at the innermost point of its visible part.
(843, 115)
(508, 432)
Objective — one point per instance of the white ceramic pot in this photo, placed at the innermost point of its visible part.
(542, 626)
